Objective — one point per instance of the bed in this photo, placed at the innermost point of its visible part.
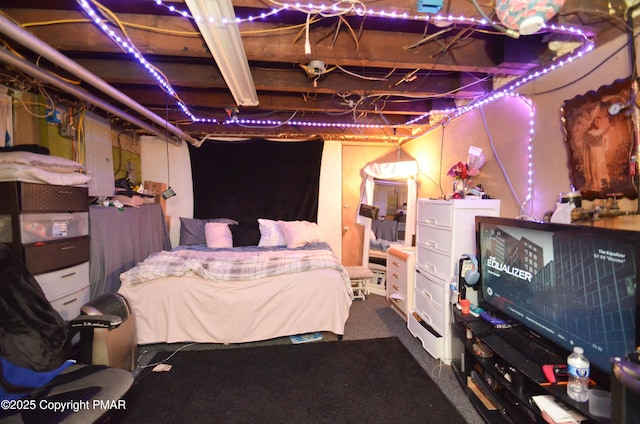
(233, 283)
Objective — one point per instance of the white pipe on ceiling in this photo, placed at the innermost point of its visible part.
(36, 45)
(38, 73)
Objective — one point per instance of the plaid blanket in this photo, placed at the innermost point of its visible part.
(231, 266)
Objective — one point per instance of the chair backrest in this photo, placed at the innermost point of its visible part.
(32, 334)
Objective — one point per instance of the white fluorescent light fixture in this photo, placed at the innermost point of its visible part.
(216, 21)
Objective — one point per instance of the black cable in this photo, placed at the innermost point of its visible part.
(511, 33)
(583, 76)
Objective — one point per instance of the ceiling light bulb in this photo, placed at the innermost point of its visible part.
(531, 25)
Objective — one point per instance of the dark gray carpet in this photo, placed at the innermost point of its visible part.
(358, 381)
(368, 319)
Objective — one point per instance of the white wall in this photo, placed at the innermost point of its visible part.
(330, 197)
(501, 128)
(155, 153)
(551, 156)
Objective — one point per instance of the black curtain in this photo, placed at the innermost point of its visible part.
(256, 179)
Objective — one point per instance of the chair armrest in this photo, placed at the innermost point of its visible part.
(96, 321)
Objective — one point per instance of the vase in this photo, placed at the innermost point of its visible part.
(460, 187)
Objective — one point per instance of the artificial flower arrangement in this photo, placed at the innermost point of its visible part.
(462, 171)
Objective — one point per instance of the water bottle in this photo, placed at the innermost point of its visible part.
(578, 370)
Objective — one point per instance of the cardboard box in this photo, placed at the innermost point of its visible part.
(156, 188)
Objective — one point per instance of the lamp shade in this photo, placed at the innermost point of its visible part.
(526, 17)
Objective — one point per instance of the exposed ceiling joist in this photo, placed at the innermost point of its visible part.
(376, 71)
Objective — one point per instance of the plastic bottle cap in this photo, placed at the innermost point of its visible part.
(578, 350)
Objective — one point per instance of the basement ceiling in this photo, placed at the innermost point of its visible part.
(366, 75)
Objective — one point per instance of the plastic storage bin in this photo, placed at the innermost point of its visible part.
(6, 236)
(38, 227)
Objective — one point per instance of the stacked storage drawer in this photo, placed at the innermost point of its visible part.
(445, 231)
(47, 226)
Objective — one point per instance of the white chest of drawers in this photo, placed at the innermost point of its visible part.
(400, 275)
(445, 231)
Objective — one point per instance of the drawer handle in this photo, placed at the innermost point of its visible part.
(395, 263)
(427, 319)
(64, 192)
(394, 275)
(69, 302)
(396, 287)
(426, 294)
(67, 247)
(68, 275)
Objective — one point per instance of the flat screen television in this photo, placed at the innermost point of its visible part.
(565, 285)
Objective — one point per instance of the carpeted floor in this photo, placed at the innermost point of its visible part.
(358, 381)
(368, 319)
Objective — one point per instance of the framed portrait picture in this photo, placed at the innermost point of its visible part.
(599, 138)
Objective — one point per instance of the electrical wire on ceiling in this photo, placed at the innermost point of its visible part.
(588, 71)
(129, 47)
(509, 32)
(427, 38)
(336, 9)
(609, 16)
(364, 77)
(354, 7)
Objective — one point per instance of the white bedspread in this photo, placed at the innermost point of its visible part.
(236, 297)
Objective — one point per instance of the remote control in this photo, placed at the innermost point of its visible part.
(495, 321)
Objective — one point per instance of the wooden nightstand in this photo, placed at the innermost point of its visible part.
(400, 277)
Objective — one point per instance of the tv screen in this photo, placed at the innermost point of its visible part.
(571, 285)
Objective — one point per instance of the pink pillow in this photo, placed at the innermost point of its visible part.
(218, 235)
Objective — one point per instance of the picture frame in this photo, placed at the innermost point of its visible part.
(600, 142)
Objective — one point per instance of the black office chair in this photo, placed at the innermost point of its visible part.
(36, 376)
(625, 389)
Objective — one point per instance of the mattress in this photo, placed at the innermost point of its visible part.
(214, 300)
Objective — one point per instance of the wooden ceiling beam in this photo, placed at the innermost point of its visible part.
(380, 59)
(382, 49)
(292, 80)
(212, 103)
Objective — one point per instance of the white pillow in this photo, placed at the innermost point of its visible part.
(270, 233)
(44, 162)
(300, 233)
(218, 234)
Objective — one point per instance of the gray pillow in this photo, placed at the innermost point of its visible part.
(192, 229)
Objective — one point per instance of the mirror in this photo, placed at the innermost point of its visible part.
(391, 198)
(392, 188)
(390, 227)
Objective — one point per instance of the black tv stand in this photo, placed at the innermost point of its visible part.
(501, 386)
